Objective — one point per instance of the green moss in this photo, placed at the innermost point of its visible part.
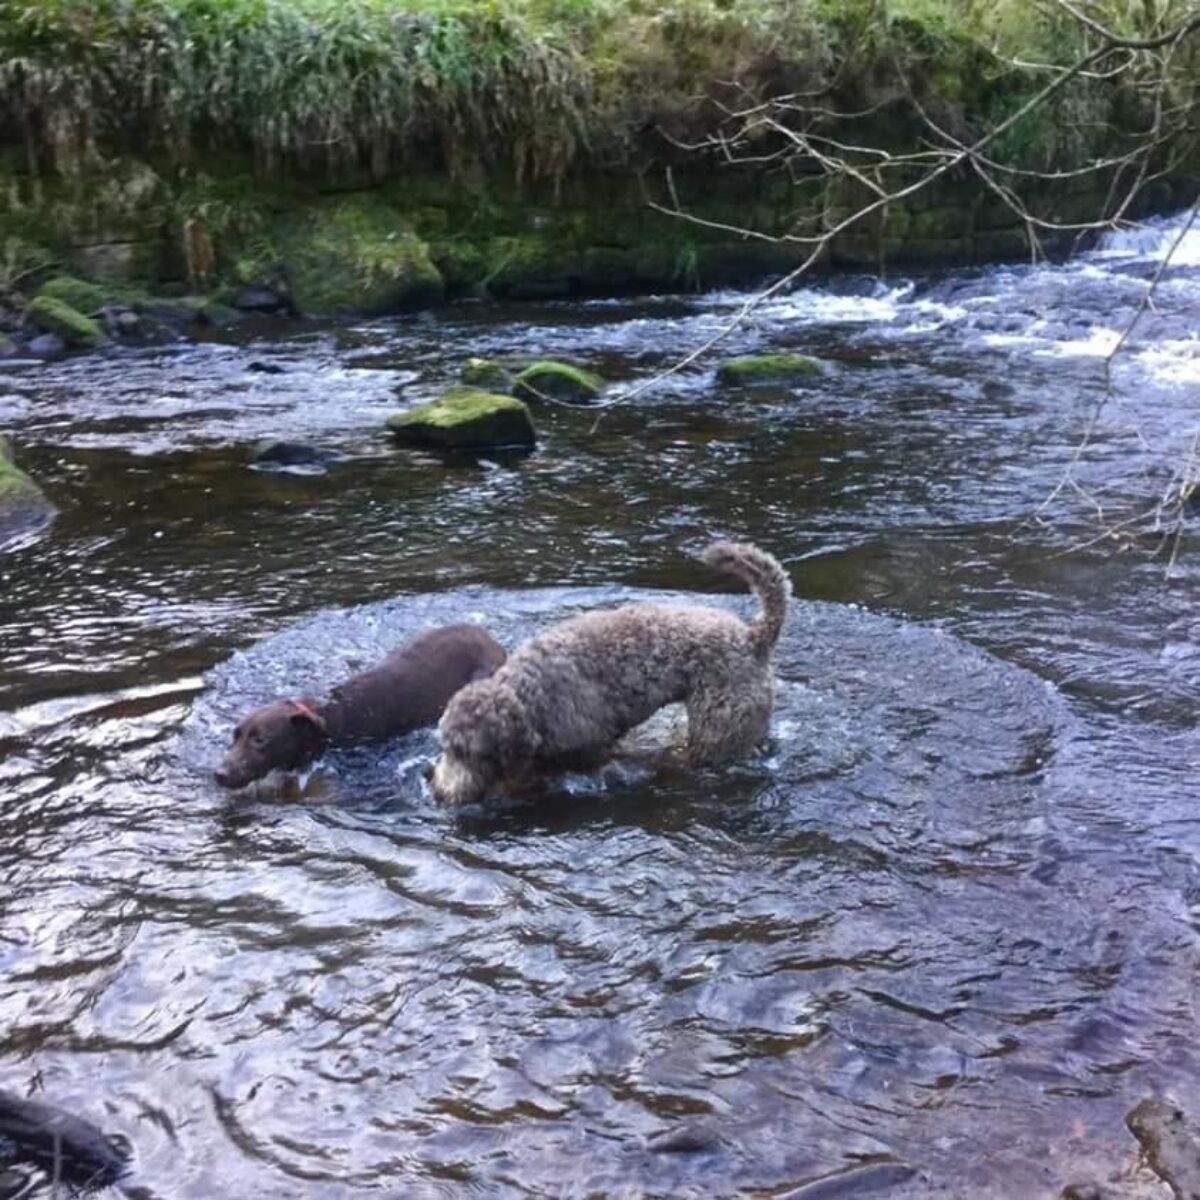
(758, 368)
(558, 381)
(466, 418)
(353, 255)
(486, 373)
(71, 325)
(21, 500)
(14, 483)
(82, 296)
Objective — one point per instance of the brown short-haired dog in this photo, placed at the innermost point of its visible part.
(583, 683)
(406, 691)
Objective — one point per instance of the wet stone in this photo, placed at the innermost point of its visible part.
(47, 345)
(486, 373)
(558, 381)
(292, 454)
(23, 505)
(1084, 1191)
(1170, 1141)
(767, 368)
(466, 418)
(57, 317)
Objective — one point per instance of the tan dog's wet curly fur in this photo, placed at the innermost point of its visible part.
(585, 682)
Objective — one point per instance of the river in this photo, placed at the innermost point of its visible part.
(936, 939)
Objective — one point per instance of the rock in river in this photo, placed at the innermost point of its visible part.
(767, 368)
(58, 317)
(1171, 1144)
(486, 373)
(23, 506)
(558, 381)
(466, 418)
(272, 453)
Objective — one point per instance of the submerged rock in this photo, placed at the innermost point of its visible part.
(23, 505)
(466, 418)
(55, 316)
(291, 454)
(558, 381)
(1171, 1144)
(64, 1145)
(761, 368)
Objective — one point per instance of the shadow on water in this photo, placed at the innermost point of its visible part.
(936, 939)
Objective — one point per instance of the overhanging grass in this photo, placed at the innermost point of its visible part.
(365, 86)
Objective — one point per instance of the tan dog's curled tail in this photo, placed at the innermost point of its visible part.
(766, 578)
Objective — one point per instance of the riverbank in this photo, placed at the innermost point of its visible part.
(316, 158)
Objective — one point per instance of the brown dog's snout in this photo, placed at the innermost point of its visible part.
(228, 776)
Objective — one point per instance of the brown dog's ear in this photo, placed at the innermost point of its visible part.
(305, 715)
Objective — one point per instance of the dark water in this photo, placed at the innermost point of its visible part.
(936, 940)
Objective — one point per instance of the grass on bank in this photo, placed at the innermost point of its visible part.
(326, 86)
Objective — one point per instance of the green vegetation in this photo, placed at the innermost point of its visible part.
(466, 418)
(18, 493)
(557, 381)
(71, 325)
(486, 373)
(372, 154)
(763, 368)
(361, 88)
(79, 294)
(354, 253)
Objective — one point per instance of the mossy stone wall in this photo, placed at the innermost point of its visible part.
(410, 242)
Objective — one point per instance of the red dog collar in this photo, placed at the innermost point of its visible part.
(305, 711)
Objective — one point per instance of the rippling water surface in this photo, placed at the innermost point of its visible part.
(935, 940)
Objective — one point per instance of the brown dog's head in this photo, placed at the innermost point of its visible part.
(286, 735)
(486, 740)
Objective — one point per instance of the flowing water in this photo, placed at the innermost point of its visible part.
(936, 939)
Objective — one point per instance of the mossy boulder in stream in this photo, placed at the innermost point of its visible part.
(558, 381)
(23, 505)
(486, 373)
(54, 316)
(352, 255)
(81, 295)
(767, 368)
(466, 418)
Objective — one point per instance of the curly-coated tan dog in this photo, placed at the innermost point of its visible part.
(576, 688)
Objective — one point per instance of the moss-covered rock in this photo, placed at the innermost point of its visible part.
(54, 316)
(466, 418)
(81, 295)
(486, 373)
(558, 381)
(23, 505)
(352, 255)
(763, 368)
